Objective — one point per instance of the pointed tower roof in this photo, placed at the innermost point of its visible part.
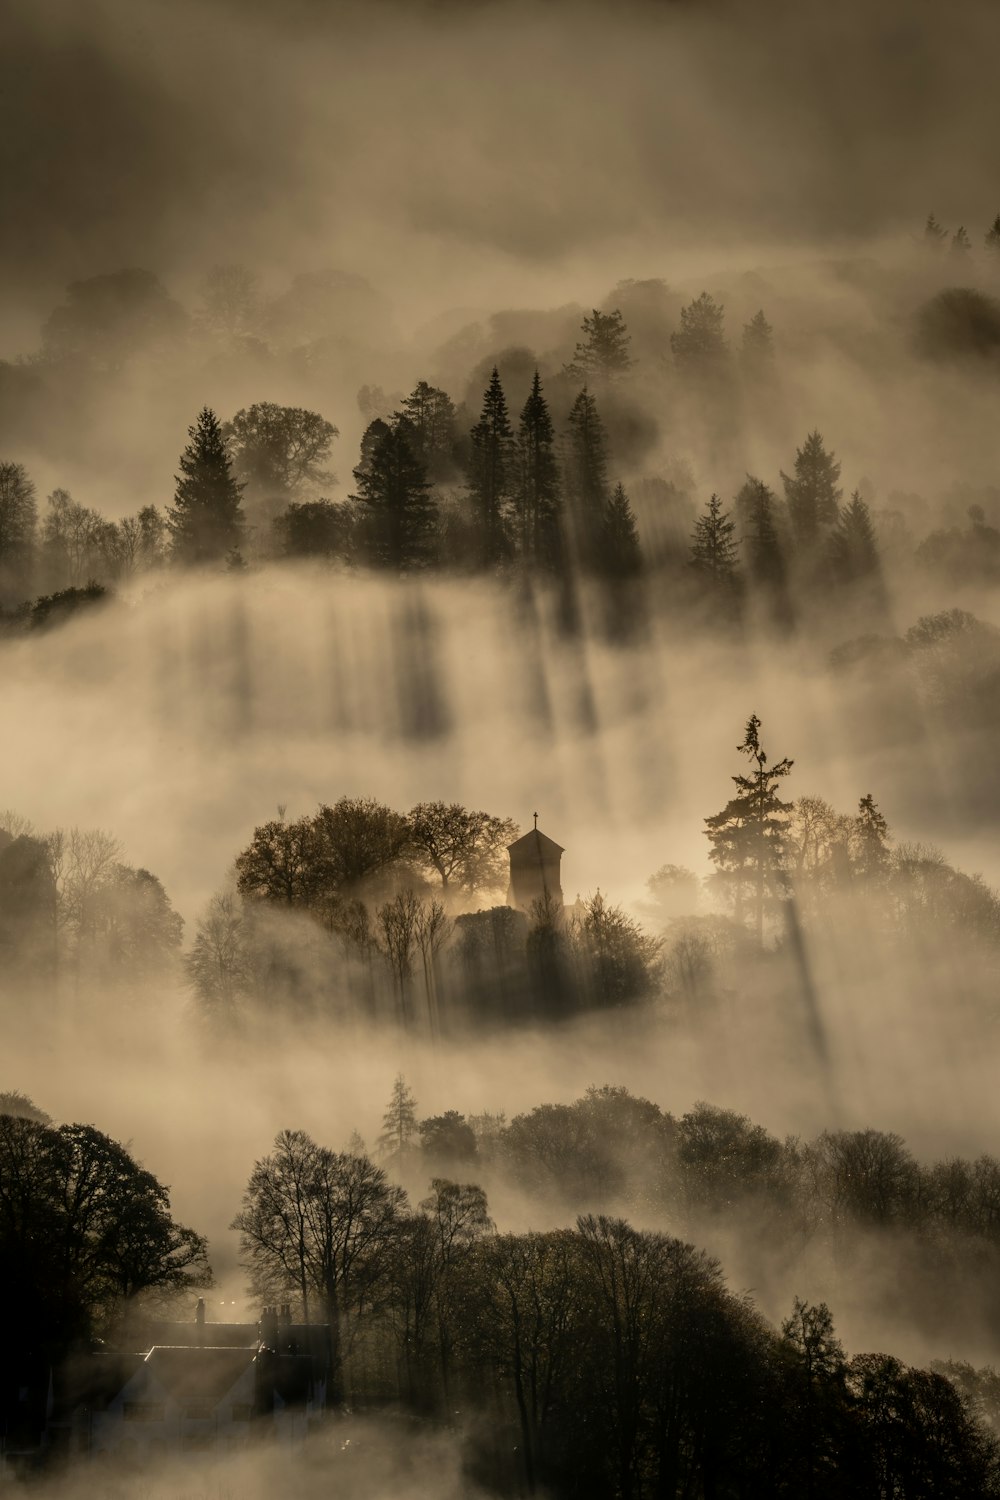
(535, 842)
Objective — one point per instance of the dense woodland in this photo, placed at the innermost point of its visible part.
(607, 1358)
(608, 1355)
(462, 480)
(599, 1359)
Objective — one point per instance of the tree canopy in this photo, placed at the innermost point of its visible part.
(747, 836)
(280, 451)
(206, 519)
(603, 352)
(84, 1231)
(466, 849)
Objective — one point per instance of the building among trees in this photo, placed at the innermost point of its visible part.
(183, 1387)
(534, 870)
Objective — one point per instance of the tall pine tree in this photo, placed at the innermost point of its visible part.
(538, 494)
(206, 519)
(603, 353)
(757, 347)
(587, 475)
(398, 515)
(747, 836)
(429, 414)
(699, 346)
(714, 552)
(853, 549)
(620, 555)
(491, 474)
(811, 492)
(871, 841)
(399, 1122)
(758, 526)
(934, 233)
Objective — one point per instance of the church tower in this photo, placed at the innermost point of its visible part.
(534, 870)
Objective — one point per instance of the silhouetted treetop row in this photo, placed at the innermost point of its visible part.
(936, 237)
(597, 1360)
(386, 919)
(557, 487)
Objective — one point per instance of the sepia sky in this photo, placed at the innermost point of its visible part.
(463, 149)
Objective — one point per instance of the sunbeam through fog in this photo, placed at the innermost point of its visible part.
(499, 649)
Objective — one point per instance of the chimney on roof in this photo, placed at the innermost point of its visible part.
(268, 1327)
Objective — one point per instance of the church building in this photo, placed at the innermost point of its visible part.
(534, 870)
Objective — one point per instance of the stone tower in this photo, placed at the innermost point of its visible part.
(534, 870)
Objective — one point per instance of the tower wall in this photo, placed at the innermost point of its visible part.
(534, 871)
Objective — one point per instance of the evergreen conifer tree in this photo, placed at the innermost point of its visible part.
(538, 494)
(699, 345)
(747, 836)
(853, 549)
(370, 440)
(587, 473)
(491, 474)
(429, 415)
(399, 1122)
(764, 555)
(714, 552)
(398, 515)
(993, 236)
(811, 492)
(934, 233)
(960, 242)
(620, 555)
(871, 839)
(206, 519)
(603, 352)
(757, 346)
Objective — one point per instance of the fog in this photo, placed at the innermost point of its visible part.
(377, 1461)
(388, 134)
(181, 719)
(472, 180)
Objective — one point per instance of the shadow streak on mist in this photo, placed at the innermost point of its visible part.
(809, 997)
(424, 712)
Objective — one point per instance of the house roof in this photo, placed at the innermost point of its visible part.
(314, 1337)
(194, 1335)
(205, 1374)
(90, 1380)
(535, 843)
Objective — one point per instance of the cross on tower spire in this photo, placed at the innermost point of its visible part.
(536, 822)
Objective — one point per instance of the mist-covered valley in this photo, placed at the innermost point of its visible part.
(427, 435)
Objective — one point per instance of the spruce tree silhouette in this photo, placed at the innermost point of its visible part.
(538, 492)
(587, 475)
(714, 552)
(811, 492)
(747, 836)
(491, 474)
(206, 519)
(602, 354)
(620, 553)
(398, 514)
